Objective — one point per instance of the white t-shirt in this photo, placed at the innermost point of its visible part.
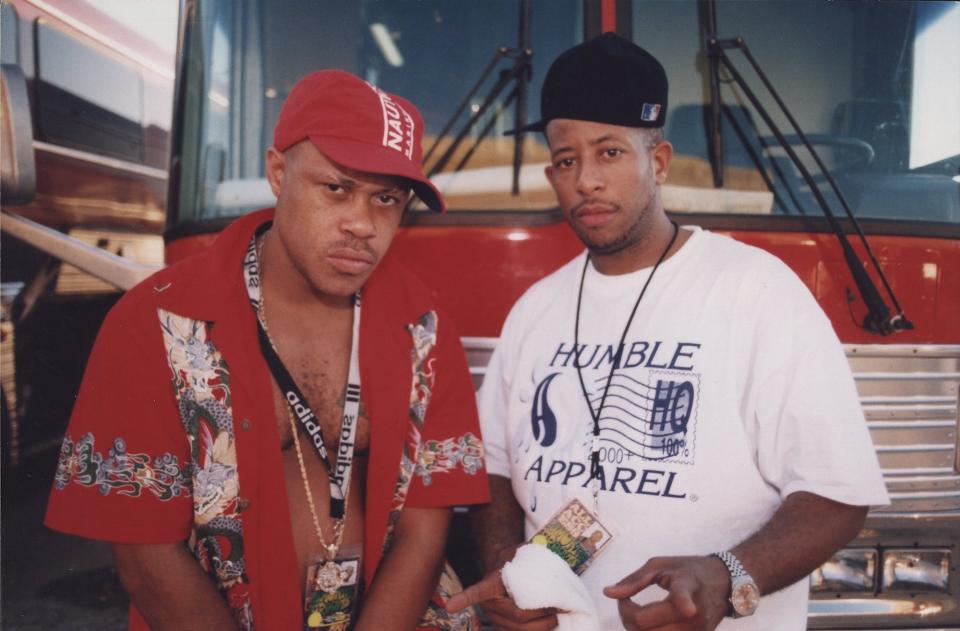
(732, 392)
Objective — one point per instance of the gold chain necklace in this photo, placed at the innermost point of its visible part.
(333, 547)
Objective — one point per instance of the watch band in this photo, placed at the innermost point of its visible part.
(733, 564)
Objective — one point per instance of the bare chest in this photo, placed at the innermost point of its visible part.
(323, 383)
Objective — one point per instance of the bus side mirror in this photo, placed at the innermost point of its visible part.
(17, 167)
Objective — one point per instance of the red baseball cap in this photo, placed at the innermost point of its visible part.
(358, 125)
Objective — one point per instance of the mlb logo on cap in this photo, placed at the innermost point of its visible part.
(650, 111)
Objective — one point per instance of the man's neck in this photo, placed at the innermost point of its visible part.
(644, 252)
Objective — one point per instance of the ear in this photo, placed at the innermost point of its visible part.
(662, 154)
(276, 164)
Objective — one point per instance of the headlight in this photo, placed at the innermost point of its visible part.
(913, 570)
(849, 570)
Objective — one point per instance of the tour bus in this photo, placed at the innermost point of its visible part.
(824, 132)
(100, 98)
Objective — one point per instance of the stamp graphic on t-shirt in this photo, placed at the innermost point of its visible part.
(652, 420)
(648, 415)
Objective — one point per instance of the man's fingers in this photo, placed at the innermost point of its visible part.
(630, 585)
(488, 588)
(639, 580)
(682, 589)
(650, 616)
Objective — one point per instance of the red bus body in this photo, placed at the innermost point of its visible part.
(478, 272)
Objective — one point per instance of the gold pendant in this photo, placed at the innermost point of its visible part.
(329, 577)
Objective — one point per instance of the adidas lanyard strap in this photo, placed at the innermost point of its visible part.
(340, 475)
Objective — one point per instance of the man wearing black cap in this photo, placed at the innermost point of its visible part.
(675, 391)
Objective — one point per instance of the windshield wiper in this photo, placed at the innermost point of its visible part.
(518, 74)
(878, 318)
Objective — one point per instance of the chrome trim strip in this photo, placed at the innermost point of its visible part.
(86, 29)
(479, 343)
(888, 449)
(905, 376)
(888, 513)
(113, 163)
(857, 607)
(901, 350)
(926, 424)
(922, 474)
(923, 495)
(919, 399)
(945, 408)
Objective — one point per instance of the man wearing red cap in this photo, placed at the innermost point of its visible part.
(272, 434)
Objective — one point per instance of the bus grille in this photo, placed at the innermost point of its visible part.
(909, 396)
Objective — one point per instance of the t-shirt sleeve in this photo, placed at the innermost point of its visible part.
(123, 470)
(492, 404)
(809, 426)
(494, 396)
(450, 469)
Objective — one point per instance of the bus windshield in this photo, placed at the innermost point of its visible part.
(873, 85)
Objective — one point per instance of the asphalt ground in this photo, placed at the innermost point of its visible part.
(49, 580)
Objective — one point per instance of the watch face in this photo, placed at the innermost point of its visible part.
(745, 597)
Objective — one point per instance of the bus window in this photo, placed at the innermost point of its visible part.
(243, 58)
(858, 78)
(85, 99)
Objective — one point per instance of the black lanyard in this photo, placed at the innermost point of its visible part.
(297, 401)
(595, 446)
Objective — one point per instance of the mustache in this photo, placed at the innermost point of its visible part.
(593, 201)
(357, 245)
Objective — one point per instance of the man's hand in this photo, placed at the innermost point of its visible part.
(497, 532)
(500, 608)
(697, 598)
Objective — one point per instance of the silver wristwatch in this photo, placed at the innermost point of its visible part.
(744, 595)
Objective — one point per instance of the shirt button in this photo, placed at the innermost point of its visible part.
(245, 425)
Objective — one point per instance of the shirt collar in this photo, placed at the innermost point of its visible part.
(208, 286)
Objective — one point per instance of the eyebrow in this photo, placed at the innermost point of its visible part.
(596, 141)
(335, 176)
(349, 182)
(601, 139)
(393, 189)
(343, 180)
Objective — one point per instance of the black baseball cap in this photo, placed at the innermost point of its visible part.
(607, 79)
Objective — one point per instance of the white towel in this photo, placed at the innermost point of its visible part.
(537, 578)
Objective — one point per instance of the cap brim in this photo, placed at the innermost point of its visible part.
(540, 125)
(371, 158)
